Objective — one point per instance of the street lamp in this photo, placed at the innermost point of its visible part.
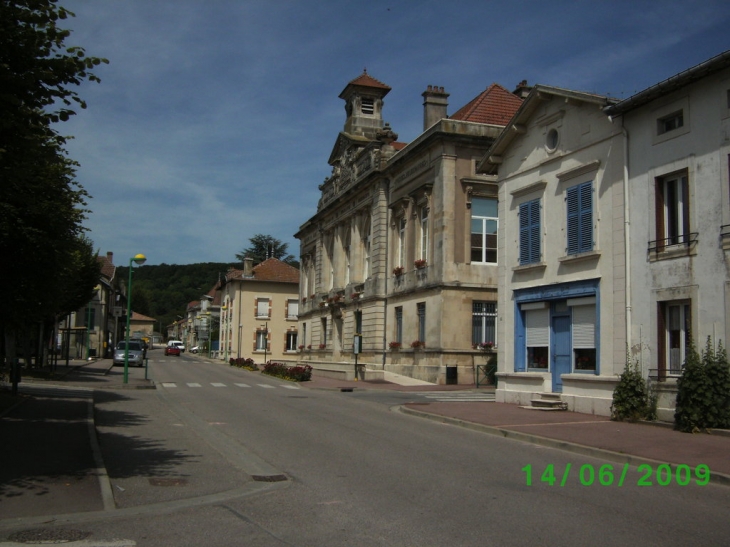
(137, 259)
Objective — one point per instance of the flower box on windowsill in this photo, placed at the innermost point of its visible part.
(417, 344)
(484, 346)
(420, 263)
(323, 346)
(394, 346)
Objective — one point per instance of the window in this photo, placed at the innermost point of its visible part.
(484, 225)
(674, 336)
(262, 340)
(358, 322)
(291, 341)
(347, 265)
(580, 218)
(484, 322)
(399, 324)
(421, 310)
(537, 334)
(424, 232)
(401, 241)
(90, 318)
(304, 333)
(292, 309)
(368, 105)
(323, 334)
(584, 337)
(672, 210)
(552, 139)
(670, 122)
(530, 232)
(262, 308)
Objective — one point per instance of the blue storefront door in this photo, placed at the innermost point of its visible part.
(561, 353)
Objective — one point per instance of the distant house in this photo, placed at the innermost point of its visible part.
(259, 312)
(202, 320)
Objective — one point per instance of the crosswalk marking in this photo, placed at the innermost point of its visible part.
(290, 387)
(265, 385)
(217, 384)
(242, 385)
(169, 384)
(194, 384)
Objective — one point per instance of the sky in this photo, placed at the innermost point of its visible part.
(214, 119)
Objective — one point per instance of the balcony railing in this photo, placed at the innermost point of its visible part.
(683, 240)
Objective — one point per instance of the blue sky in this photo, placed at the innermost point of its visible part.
(215, 118)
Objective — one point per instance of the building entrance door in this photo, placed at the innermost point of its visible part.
(560, 351)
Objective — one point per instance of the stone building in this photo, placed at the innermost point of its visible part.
(402, 248)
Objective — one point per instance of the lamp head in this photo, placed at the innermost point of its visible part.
(139, 259)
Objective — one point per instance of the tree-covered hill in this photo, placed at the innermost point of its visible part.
(164, 291)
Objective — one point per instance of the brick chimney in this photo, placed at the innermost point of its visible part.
(110, 257)
(435, 102)
(522, 90)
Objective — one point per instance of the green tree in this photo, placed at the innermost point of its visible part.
(42, 207)
(266, 246)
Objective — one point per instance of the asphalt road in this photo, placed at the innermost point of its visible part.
(358, 474)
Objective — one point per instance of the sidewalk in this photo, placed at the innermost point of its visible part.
(55, 458)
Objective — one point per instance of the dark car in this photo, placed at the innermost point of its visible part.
(172, 350)
(136, 354)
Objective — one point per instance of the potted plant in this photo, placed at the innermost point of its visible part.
(355, 296)
(394, 346)
(420, 263)
(398, 271)
(484, 346)
(417, 344)
(323, 346)
(301, 347)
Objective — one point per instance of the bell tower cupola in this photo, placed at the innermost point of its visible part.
(363, 98)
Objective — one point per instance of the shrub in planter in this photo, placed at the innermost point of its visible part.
(280, 370)
(246, 363)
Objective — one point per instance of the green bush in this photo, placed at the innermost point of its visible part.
(246, 363)
(703, 391)
(632, 399)
(280, 370)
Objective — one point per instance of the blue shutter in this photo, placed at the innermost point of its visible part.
(530, 232)
(580, 218)
(586, 217)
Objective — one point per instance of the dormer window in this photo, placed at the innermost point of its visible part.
(368, 106)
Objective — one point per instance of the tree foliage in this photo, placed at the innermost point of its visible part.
(48, 265)
(266, 246)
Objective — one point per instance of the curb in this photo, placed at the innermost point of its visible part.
(574, 448)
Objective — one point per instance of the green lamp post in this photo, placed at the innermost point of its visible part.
(137, 259)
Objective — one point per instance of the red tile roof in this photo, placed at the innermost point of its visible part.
(368, 81)
(107, 268)
(272, 269)
(495, 105)
(139, 317)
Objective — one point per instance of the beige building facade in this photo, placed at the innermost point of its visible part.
(402, 249)
(258, 315)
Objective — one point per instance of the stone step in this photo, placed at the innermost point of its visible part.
(549, 401)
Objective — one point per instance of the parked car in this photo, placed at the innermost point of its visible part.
(177, 343)
(136, 354)
(195, 349)
(172, 350)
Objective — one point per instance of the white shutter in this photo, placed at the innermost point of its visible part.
(537, 323)
(292, 310)
(584, 327)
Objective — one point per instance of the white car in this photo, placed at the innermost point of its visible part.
(194, 349)
(177, 343)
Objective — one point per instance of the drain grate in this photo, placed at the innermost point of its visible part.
(168, 482)
(269, 478)
(48, 535)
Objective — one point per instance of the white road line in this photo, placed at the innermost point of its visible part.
(218, 384)
(194, 384)
(242, 385)
(169, 384)
(265, 385)
(290, 387)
